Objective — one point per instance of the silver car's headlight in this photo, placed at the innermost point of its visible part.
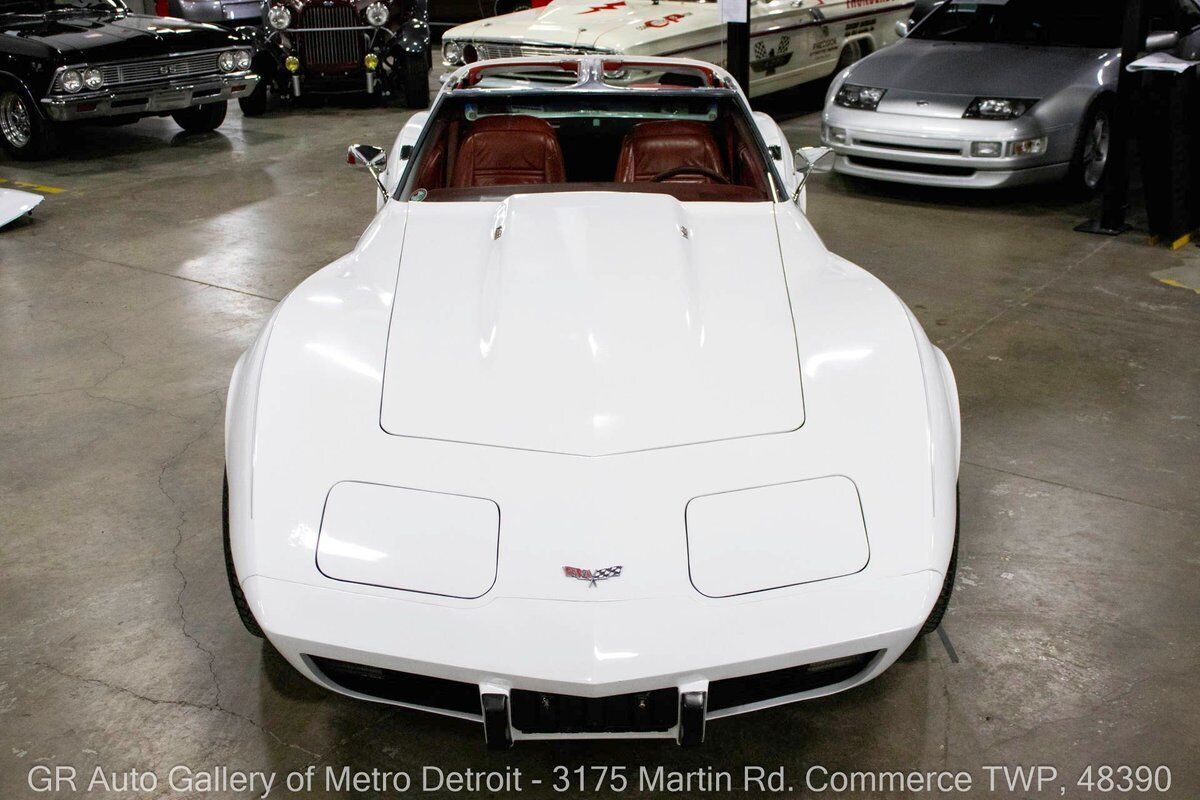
(863, 98)
(452, 53)
(71, 81)
(997, 108)
(377, 15)
(279, 17)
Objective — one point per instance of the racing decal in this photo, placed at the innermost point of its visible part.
(663, 21)
(605, 7)
(825, 45)
(592, 575)
(768, 59)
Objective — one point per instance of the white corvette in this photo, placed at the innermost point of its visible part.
(792, 41)
(590, 435)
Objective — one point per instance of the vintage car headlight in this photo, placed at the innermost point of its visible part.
(92, 78)
(997, 108)
(452, 53)
(377, 14)
(242, 59)
(864, 98)
(71, 81)
(279, 17)
(226, 61)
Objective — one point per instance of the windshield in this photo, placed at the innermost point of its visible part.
(1061, 23)
(695, 145)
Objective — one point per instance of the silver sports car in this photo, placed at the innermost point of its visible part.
(991, 93)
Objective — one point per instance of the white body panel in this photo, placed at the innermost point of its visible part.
(342, 386)
(792, 41)
(15, 204)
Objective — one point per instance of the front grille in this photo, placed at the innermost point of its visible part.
(912, 148)
(325, 50)
(159, 69)
(488, 50)
(904, 166)
(733, 692)
(401, 687)
(640, 712)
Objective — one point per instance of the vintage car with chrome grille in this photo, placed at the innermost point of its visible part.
(65, 61)
(792, 41)
(590, 435)
(323, 47)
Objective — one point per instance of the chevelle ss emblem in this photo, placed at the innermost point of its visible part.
(167, 69)
(592, 575)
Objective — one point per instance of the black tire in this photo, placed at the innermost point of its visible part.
(24, 133)
(255, 103)
(852, 52)
(235, 588)
(943, 602)
(1081, 178)
(416, 80)
(201, 119)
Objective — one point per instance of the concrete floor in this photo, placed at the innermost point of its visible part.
(125, 302)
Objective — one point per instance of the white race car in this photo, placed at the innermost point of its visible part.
(792, 41)
(590, 435)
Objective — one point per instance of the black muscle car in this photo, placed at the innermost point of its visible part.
(63, 61)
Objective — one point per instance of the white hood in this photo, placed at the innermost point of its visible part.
(14, 204)
(591, 324)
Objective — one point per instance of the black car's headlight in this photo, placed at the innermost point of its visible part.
(278, 17)
(71, 81)
(377, 15)
(864, 98)
(997, 108)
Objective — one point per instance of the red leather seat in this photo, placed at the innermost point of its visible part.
(653, 148)
(508, 150)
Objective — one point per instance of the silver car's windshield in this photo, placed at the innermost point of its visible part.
(1061, 23)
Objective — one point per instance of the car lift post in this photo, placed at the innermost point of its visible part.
(1116, 185)
(736, 14)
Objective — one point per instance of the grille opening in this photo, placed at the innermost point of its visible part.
(733, 692)
(639, 712)
(401, 687)
(326, 49)
(904, 166)
(915, 148)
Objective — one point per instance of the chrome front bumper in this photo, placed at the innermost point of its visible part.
(157, 98)
(934, 151)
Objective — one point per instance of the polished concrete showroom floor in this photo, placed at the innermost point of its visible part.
(1072, 639)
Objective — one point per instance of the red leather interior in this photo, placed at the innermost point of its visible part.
(750, 168)
(508, 150)
(653, 148)
(433, 167)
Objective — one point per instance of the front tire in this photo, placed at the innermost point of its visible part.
(235, 588)
(1089, 165)
(416, 80)
(201, 119)
(943, 602)
(24, 133)
(255, 103)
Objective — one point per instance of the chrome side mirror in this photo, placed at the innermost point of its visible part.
(808, 161)
(902, 28)
(373, 158)
(1162, 40)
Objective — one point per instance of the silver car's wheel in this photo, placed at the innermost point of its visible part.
(15, 123)
(1095, 151)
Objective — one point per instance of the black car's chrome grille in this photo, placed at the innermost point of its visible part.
(330, 49)
(159, 69)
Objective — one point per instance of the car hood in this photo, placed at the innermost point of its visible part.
(591, 324)
(975, 69)
(593, 23)
(104, 37)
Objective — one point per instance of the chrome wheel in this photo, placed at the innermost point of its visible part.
(15, 124)
(1095, 151)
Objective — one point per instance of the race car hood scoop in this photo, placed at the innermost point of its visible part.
(591, 323)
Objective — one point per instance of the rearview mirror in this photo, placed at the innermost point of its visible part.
(902, 28)
(373, 158)
(1162, 40)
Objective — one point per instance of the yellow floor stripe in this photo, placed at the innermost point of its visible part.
(33, 187)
